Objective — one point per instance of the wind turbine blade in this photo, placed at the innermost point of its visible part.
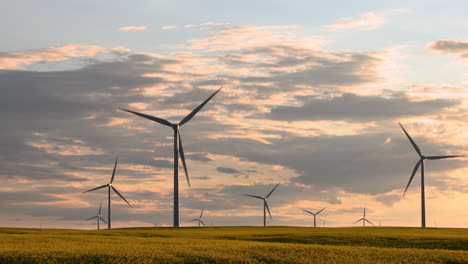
(272, 191)
(364, 213)
(91, 218)
(202, 223)
(443, 157)
(115, 167)
(359, 220)
(254, 196)
(320, 211)
(307, 211)
(368, 221)
(411, 140)
(195, 111)
(182, 157)
(201, 213)
(102, 219)
(412, 175)
(100, 207)
(153, 118)
(121, 196)
(97, 188)
(268, 208)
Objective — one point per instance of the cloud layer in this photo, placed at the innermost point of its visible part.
(319, 122)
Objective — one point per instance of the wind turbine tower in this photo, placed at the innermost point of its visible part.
(364, 219)
(109, 187)
(314, 214)
(178, 149)
(199, 219)
(98, 217)
(265, 204)
(420, 163)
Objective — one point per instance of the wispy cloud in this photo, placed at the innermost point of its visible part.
(448, 46)
(365, 21)
(207, 25)
(133, 28)
(250, 36)
(168, 27)
(17, 59)
(120, 50)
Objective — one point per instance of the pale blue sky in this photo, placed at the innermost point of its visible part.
(36, 24)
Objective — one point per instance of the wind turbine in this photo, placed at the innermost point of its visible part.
(265, 204)
(315, 224)
(109, 187)
(178, 148)
(364, 219)
(199, 219)
(416, 167)
(98, 217)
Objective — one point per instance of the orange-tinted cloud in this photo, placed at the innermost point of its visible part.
(133, 28)
(18, 59)
(366, 21)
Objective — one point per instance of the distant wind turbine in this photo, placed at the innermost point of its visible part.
(314, 214)
(178, 149)
(364, 219)
(98, 217)
(109, 187)
(416, 167)
(265, 204)
(199, 220)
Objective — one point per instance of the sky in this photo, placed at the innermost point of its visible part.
(312, 96)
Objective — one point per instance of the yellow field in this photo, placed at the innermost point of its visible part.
(235, 245)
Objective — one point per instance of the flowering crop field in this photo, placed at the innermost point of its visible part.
(235, 245)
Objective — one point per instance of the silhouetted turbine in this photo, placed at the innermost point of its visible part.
(364, 219)
(416, 167)
(177, 149)
(265, 204)
(109, 187)
(199, 219)
(315, 224)
(98, 217)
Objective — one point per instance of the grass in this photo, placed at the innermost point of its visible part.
(235, 245)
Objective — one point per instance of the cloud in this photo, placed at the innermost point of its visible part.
(121, 50)
(18, 59)
(453, 47)
(168, 27)
(366, 21)
(26, 196)
(228, 170)
(198, 157)
(358, 108)
(252, 36)
(207, 25)
(133, 28)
